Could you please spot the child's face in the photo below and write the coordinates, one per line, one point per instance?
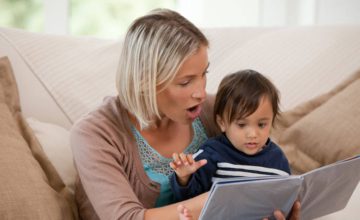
(250, 134)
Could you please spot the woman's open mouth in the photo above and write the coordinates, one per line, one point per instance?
(194, 111)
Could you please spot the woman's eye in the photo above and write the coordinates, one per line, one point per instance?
(184, 83)
(205, 73)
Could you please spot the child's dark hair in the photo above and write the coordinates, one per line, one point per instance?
(240, 93)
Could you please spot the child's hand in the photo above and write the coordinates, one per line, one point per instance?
(184, 165)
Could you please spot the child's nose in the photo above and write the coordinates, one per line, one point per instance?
(251, 133)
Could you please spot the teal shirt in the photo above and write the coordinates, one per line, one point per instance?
(157, 167)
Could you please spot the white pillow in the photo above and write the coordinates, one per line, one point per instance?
(55, 140)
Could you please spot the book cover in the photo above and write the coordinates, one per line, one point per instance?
(321, 191)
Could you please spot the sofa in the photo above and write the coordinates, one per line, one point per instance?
(47, 82)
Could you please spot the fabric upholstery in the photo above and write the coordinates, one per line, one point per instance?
(30, 186)
(55, 141)
(303, 62)
(323, 130)
(78, 72)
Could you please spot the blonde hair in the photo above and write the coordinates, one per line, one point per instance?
(154, 49)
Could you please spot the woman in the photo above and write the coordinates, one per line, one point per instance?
(122, 150)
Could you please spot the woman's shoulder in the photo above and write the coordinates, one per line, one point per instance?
(107, 119)
(102, 129)
(108, 111)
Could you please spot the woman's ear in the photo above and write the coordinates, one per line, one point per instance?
(220, 122)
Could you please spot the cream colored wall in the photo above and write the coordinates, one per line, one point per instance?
(214, 13)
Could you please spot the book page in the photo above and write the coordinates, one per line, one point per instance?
(329, 188)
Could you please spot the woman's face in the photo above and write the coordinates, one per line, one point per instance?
(181, 100)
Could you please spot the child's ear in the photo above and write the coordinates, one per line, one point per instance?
(220, 123)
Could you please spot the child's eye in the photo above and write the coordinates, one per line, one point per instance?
(241, 125)
(262, 125)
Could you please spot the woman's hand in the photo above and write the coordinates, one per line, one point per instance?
(294, 214)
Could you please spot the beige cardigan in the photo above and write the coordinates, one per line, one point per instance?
(109, 166)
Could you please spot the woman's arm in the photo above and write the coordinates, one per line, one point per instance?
(195, 205)
(170, 212)
(105, 182)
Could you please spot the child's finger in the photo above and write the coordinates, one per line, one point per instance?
(200, 163)
(190, 158)
(176, 159)
(173, 165)
(183, 157)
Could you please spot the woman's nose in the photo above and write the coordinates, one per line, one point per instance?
(200, 92)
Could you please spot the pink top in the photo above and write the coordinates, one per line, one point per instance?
(109, 166)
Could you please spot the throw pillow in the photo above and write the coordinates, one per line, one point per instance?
(55, 141)
(323, 130)
(30, 186)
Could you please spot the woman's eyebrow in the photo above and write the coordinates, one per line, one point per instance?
(192, 75)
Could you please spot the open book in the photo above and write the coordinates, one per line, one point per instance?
(321, 191)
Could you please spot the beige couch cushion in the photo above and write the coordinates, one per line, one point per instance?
(30, 187)
(323, 130)
(55, 141)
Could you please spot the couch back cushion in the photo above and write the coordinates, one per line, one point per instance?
(75, 72)
(303, 62)
(30, 187)
(322, 130)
